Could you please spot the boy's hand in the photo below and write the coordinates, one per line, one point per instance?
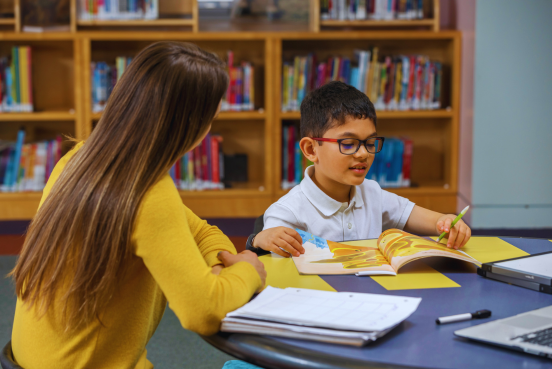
(278, 238)
(458, 235)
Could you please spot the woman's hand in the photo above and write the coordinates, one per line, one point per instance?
(217, 268)
(229, 259)
(283, 241)
(457, 235)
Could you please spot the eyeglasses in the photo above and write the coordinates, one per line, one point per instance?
(349, 146)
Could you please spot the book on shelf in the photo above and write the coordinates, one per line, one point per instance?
(27, 167)
(399, 82)
(118, 9)
(385, 256)
(104, 77)
(240, 95)
(345, 318)
(16, 83)
(202, 168)
(391, 166)
(294, 162)
(382, 10)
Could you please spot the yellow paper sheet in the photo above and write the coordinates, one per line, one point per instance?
(488, 249)
(415, 275)
(282, 273)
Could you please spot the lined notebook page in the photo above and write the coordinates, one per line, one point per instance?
(337, 310)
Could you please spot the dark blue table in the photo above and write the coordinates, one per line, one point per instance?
(418, 342)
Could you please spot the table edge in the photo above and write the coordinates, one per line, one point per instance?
(270, 353)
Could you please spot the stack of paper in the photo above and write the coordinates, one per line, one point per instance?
(336, 317)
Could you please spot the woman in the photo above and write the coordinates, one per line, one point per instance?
(112, 242)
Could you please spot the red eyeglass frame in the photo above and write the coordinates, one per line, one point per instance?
(363, 142)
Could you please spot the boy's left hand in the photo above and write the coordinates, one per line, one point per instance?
(458, 235)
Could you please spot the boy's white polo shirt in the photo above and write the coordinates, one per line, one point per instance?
(370, 211)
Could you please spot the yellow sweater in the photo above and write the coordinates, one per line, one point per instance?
(175, 251)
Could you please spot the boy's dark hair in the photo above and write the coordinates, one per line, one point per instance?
(331, 105)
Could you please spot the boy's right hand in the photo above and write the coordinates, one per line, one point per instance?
(278, 238)
(229, 259)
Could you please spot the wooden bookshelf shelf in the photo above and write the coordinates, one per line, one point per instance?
(38, 116)
(7, 21)
(411, 114)
(137, 22)
(378, 23)
(436, 198)
(241, 115)
(223, 115)
(20, 195)
(404, 191)
(19, 205)
(240, 190)
(431, 22)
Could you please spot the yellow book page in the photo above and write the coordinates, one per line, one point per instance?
(414, 276)
(489, 249)
(401, 247)
(282, 273)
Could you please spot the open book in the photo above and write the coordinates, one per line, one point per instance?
(384, 256)
(336, 317)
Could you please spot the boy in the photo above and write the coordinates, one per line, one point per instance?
(334, 201)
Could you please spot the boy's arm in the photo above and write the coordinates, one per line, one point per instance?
(428, 222)
(279, 234)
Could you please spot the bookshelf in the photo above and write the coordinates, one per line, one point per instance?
(434, 132)
(173, 15)
(432, 23)
(62, 93)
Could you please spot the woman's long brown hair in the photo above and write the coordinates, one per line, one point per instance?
(79, 242)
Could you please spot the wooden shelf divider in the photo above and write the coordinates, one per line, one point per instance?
(389, 114)
(7, 21)
(377, 23)
(38, 116)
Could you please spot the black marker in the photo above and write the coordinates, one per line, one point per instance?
(480, 314)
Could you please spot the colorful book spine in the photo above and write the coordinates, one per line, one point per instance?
(16, 81)
(294, 162)
(104, 78)
(200, 169)
(27, 167)
(240, 95)
(383, 10)
(117, 9)
(392, 165)
(392, 83)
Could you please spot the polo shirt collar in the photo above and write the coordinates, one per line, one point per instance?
(324, 203)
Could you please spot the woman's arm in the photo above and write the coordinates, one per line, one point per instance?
(166, 244)
(210, 239)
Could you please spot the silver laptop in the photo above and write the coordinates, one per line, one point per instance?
(530, 332)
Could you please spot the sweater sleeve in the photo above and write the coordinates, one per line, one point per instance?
(165, 241)
(210, 240)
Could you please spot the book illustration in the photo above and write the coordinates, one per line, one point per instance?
(384, 256)
(352, 257)
(327, 257)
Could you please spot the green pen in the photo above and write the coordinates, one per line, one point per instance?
(454, 222)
